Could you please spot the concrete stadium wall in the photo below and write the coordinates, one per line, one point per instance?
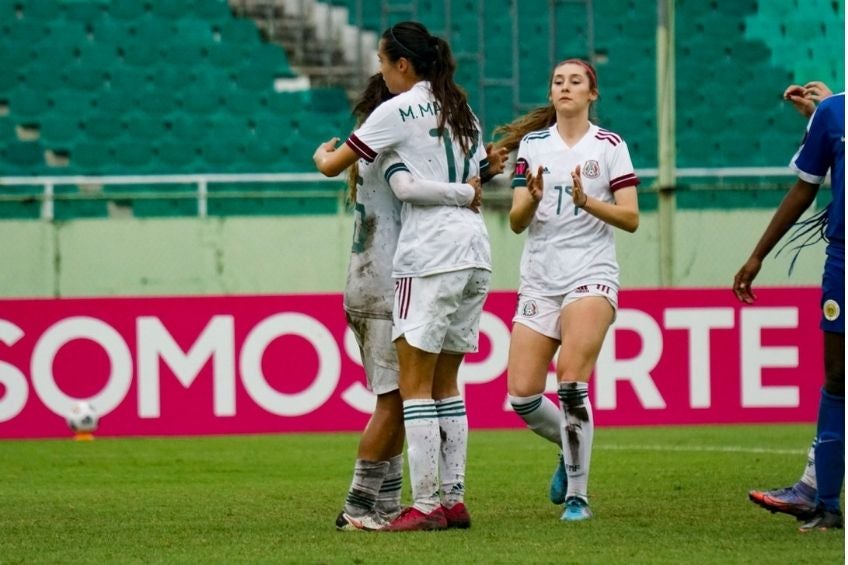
(282, 255)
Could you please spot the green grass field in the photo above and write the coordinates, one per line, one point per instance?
(660, 495)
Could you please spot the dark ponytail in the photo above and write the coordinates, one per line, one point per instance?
(432, 59)
(375, 93)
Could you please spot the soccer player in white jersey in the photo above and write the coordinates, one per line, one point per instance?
(573, 183)
(442, 264)
(374, 495)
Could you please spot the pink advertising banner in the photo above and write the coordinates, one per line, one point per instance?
(262, 364)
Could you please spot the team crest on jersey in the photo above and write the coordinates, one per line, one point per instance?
(529, 309)
(830, 309)
(591, 169)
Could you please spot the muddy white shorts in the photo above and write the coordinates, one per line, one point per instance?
(441, 312)
(379, 356)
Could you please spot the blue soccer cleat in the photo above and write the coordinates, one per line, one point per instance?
(576, 510)
(559, 483)
(789, 500)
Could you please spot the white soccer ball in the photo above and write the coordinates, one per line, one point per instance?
(82, 417)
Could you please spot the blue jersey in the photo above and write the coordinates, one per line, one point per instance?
(823, 148)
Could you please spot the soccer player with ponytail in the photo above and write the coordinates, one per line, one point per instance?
(442, 264)
(573, 183)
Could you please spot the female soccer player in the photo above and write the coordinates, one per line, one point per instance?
(441, 266)
(573, 183)
(374, 494)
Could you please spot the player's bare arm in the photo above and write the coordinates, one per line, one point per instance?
(623, 213)
(799, 198)
(331, 160)
(525, 200)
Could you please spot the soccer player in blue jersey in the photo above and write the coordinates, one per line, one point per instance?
(823, 149)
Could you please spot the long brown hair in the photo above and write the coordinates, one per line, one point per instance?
(432, 60)
(542, 117)
(375, 93)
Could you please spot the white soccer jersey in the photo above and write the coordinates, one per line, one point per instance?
(567, 247)
(370, 290)
(433, 239)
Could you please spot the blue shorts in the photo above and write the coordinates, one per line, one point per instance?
(833, 295)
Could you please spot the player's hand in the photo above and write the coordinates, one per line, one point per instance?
(497, 157)
(804, 98)
(817, 90)
(578, 196)
(323, 149)
(477, 201)
(535, 185)
(743, 279)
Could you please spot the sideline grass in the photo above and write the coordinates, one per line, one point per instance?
(660, 495)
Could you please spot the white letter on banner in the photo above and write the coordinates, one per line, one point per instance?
(17, 391)
(494, 365)
(699, 322)
(356, 395)
(101, 333)
(637, 370)
(755, 357)
(155, 342)
(329, 364)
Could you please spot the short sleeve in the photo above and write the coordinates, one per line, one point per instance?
(621, 168)
(378, 132)
(813, 158)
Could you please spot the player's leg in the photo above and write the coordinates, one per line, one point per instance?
(584, 325)
(461, 337)
(830, 447)
(532, 344)
(453, 431)
(421, 424)
(382, 438)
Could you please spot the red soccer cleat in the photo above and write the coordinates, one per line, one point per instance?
(457, 516)
(412, 519)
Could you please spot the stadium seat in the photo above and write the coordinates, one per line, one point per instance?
(127, 9)
(102, 127)
(27, 104)
(86, 11)
(24, 158)
(177, 155)
(59, 132)
(89, 158)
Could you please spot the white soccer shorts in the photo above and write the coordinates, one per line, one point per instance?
(379, 356)
(542, 313)
(441, 312)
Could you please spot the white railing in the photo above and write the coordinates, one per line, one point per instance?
(201, 183)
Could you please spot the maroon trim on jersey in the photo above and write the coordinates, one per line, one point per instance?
(403, 289)
(605, 135)
(360, 148)
(630, 179)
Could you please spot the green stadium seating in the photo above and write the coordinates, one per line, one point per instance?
(59, 132)
(23, 158)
